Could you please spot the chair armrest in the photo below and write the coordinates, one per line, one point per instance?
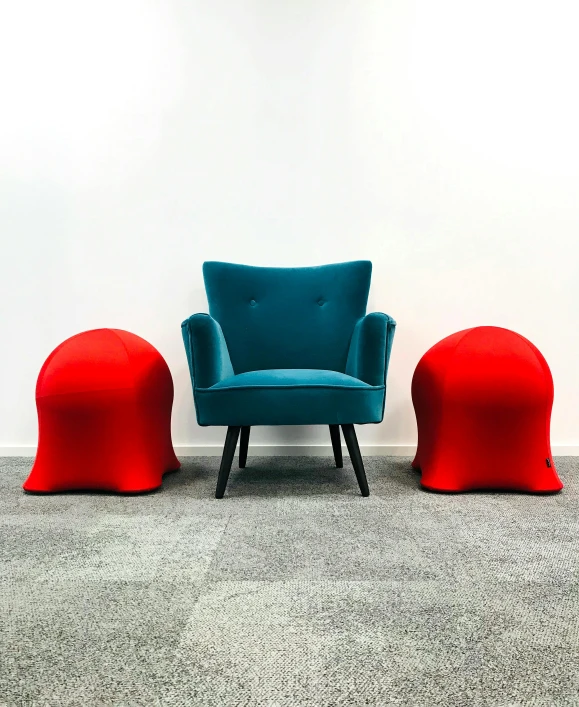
(207, 353)
(370, 348)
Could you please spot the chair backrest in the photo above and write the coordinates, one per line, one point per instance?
(287, 317)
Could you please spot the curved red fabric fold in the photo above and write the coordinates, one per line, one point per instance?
(483, 400)
(104, 400)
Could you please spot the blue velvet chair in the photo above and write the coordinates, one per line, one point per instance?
(288, 346)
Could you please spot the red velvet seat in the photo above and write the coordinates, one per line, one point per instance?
(483, 400)
(104, 400)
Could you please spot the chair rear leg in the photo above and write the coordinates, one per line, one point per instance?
(243, 445)
(356, 457)
(226, 460)
(337, 445)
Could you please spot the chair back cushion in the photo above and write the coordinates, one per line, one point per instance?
(287, 317)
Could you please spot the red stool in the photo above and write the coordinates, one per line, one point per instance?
(104, 401)
(483, 400)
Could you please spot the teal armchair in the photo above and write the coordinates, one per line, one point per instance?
(288, 346)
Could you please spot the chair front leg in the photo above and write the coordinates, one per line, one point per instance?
(226, 460)
(356, 457)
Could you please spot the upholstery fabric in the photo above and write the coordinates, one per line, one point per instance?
(290, 397)
(291, 377)
(370, 348)
(202, 334)
(483, 400)
(104, 401)
(288, 346)
(287, 317)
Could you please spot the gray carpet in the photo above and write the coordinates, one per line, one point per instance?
(293, 590)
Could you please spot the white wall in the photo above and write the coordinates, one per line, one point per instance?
(141, 137)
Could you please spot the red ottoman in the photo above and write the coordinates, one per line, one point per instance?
(483, 400)
(104, 401)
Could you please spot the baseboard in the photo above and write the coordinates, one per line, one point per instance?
(300, 450)
(291, 450)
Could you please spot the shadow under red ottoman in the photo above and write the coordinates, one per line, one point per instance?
(104, 400)
(483, 400)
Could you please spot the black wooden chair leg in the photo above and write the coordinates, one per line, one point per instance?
(226, 460)
(243, 445)
(337, 445)
(356, 457)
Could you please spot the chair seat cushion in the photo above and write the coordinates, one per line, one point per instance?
(291, 377)
(296, 396)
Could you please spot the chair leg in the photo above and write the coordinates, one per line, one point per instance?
(356, 457)
(226, 460)
(243, 445)
(337, 445)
